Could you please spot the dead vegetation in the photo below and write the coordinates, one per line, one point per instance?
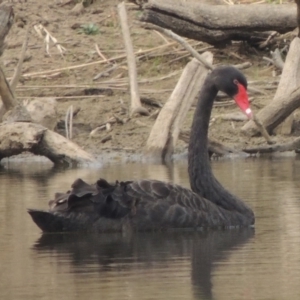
(82, 64)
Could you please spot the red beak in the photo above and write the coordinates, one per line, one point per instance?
(241, 99)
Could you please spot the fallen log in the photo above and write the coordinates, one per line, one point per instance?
(19, 137)
(17, 134)
(219, 24)
(237, 117)
(181, 41)
(208, 65)
(287, 97)
(290, 146)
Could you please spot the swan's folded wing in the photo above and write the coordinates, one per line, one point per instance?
(155, 191)
(163, 205)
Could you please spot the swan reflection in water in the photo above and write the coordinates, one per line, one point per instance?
(145, 251)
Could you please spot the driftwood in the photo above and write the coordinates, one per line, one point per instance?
(6, 93)
(262, 130)
(290, 146)
(136, 106)
(19, 137)
(11, 110)
(181, 41)
(298, 16)
(18, 134)
(18, 70)
(14, 110)
(161, 143)
(237, 117)
(209, 66)
(6, 21)
(219, 24)
(165, 131)
(287, 97)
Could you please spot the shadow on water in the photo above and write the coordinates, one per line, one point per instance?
(202, 250)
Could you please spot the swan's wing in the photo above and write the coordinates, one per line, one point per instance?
(156, 192)
(161, 204)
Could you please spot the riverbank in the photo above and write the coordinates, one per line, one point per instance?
(70, 77)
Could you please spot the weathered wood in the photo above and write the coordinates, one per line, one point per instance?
(236, 116)
(19, 137)
(287, 97)
(298, 15)
(290, 146)
(181, 41)
(189, 98)
(140, 3)
(18, 70)
(262, 129)
(6, 21)
(6, 93)
(136, 106)
(12, 110)
(165, 131)
(219, 24)
(41, 112)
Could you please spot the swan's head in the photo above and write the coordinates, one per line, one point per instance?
(232, 82)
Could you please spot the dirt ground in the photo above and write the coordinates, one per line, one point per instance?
(96, 101)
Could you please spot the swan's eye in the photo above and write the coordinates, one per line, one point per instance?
(235, 82)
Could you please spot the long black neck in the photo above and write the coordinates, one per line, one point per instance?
(202, 180)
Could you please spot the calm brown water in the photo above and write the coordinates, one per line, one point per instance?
(236, 264)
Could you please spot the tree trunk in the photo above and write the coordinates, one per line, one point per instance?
(298, 15)
(165, 131)
(219, 24)
(6, 21)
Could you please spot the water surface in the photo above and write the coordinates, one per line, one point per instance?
(235, 264)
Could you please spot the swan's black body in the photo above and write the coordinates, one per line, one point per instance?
(156, 205)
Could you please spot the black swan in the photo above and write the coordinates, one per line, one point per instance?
(156, 205)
